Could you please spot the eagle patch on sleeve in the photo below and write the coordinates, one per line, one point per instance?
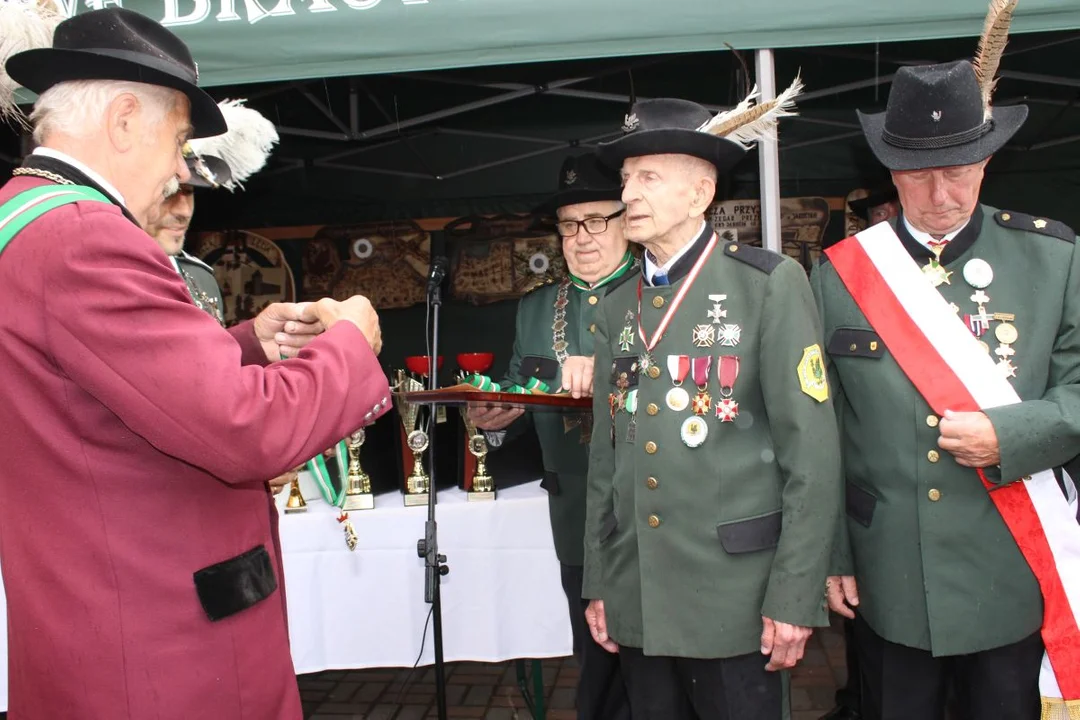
(812, 377)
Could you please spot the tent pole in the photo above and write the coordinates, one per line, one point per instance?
(768, 159)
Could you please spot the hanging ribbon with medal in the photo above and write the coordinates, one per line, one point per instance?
(702, 402)
(649, 344)
(677, 398)
(335, 497)
(727, 371)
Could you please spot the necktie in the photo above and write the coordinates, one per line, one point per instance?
(659, 278)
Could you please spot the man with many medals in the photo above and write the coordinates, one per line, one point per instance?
(553, 349)
(944, 592)
(713, 474)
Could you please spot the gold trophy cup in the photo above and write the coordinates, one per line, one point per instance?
(296, 502)
(358, 488)
(483, 485)
(417, 484)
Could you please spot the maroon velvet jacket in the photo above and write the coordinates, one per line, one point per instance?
(136, 438)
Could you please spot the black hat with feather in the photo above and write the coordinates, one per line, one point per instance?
(941, 115)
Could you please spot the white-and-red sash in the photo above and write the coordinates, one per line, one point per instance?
(949, 368)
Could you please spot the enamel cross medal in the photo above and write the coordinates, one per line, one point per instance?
(727, 409)
(701, 403)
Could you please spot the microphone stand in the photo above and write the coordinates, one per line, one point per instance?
(428, 546)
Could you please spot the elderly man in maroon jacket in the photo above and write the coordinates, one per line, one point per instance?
(139, 561)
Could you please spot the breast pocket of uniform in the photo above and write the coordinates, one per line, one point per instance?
(541, 368)
(856, 343)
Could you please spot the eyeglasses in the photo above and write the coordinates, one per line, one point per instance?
(592, 225)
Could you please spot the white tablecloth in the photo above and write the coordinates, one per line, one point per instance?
(502, 599)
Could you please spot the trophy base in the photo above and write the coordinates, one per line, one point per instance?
(297, 509)
(362, 501)
(478, 496)
(415, 499)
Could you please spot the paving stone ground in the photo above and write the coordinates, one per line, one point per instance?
(490, 691)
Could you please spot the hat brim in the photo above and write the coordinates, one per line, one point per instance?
(39, 69)
(576, 196)
(220, 168)
(873, 200)
(724, 154)
(1007, 120)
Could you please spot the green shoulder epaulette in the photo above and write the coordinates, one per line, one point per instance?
(764, 260)
(1031, 223)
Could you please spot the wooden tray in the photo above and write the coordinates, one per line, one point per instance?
(469, 395)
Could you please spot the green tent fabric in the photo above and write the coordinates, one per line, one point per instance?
(244, 41)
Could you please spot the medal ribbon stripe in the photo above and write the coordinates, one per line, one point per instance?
(317, 467)
(949, 369)
(674, 305)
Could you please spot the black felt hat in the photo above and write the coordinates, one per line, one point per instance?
(670, 126)
(582, 179)
(878, 195)
(936, 118)
(208, 171)
(118, 44)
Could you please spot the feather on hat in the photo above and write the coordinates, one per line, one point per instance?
(244, 149)
(24, 25)
(671, 126)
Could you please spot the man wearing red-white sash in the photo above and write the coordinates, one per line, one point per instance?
(953, 338)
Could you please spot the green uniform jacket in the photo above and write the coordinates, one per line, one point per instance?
(936, 566)
(202, 284)
(565, 451)
(689, 547)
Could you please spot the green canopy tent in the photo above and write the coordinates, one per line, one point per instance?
(248, 41)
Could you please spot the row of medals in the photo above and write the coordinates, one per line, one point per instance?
(978, 274)
(705, 335)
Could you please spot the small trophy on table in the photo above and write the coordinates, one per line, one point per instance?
(417, 484)
(482, 485)
(358, 483)
(296, 502)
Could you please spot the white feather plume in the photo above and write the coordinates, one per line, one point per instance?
(246, 145)
(719, 118)
(24, 25)
(747, 124)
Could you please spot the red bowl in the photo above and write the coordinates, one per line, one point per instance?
(419, 364)
(475, 362)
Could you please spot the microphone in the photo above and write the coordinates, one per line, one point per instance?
(437, 274)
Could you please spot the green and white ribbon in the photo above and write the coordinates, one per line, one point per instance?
(317, 467)
(534, 384)
(483, 382)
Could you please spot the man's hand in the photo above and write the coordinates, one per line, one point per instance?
(971, 439)
(493, 418)
(577, 376)
(278, 484)
(594, 615)
(284, 328)
(783, 643)
(842, 594)
(357, 310)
